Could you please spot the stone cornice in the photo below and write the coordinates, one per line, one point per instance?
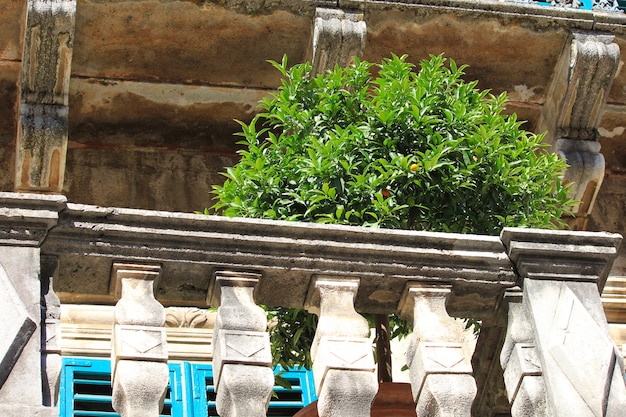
(26, 218)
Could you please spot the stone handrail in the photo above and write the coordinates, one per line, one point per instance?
(191, 248)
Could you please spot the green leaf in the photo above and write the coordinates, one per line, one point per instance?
(338, 148)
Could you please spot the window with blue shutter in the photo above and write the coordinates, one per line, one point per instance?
(86, 390)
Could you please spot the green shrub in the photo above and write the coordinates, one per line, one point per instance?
(403, 149)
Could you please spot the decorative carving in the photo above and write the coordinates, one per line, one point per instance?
(593, 62)
(343, 363)
(242, 357)
(139, 349)
(188, 317)
(438, 355)
(42, 146)
(607, 5)
(115, 280)
(338, 37)
(576, 98)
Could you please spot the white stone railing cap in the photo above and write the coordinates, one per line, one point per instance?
(191, 248)
(562, 255)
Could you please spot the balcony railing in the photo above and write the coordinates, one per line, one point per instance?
(537, 293)
(599, 5)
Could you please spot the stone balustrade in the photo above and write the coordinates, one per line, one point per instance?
(538, 288)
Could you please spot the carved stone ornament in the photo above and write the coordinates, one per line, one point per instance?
(51, 332)
(189, 317)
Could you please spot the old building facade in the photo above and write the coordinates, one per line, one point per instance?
(116, 117)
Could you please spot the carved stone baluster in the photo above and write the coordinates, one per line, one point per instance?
(520, 362)
(438, 355)
(242, 357)
(560, 272)
(139, 347)
(343, 362)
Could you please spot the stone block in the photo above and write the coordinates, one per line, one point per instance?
(347, 393)
(139, 388)
(216, 39)
(438, 358)
(342, 353)
(523, 362)
(11, 410)
(20, 343)
(530, 398)
(245, 347)
(17, 327)
(446, 395)
(140, 343)
(245, 390)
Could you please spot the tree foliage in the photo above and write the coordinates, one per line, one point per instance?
(400, 147)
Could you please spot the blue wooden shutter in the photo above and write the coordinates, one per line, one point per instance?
(86, 390)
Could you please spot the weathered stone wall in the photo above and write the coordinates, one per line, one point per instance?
(155, 86)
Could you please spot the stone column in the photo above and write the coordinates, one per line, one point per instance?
(43, 113)
(338, 37)
(242, 357)
(139, 348)
(343, 361)
(520, 362)
(561, 273)
(438, 355)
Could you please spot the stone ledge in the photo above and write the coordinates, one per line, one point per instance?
(18, 410)
(26, 218)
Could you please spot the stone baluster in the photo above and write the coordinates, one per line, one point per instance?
(139, 347)
(242, 358)
(560, 273)
(343, 362)
(520, 362)
(438, 355)
(50, 332)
